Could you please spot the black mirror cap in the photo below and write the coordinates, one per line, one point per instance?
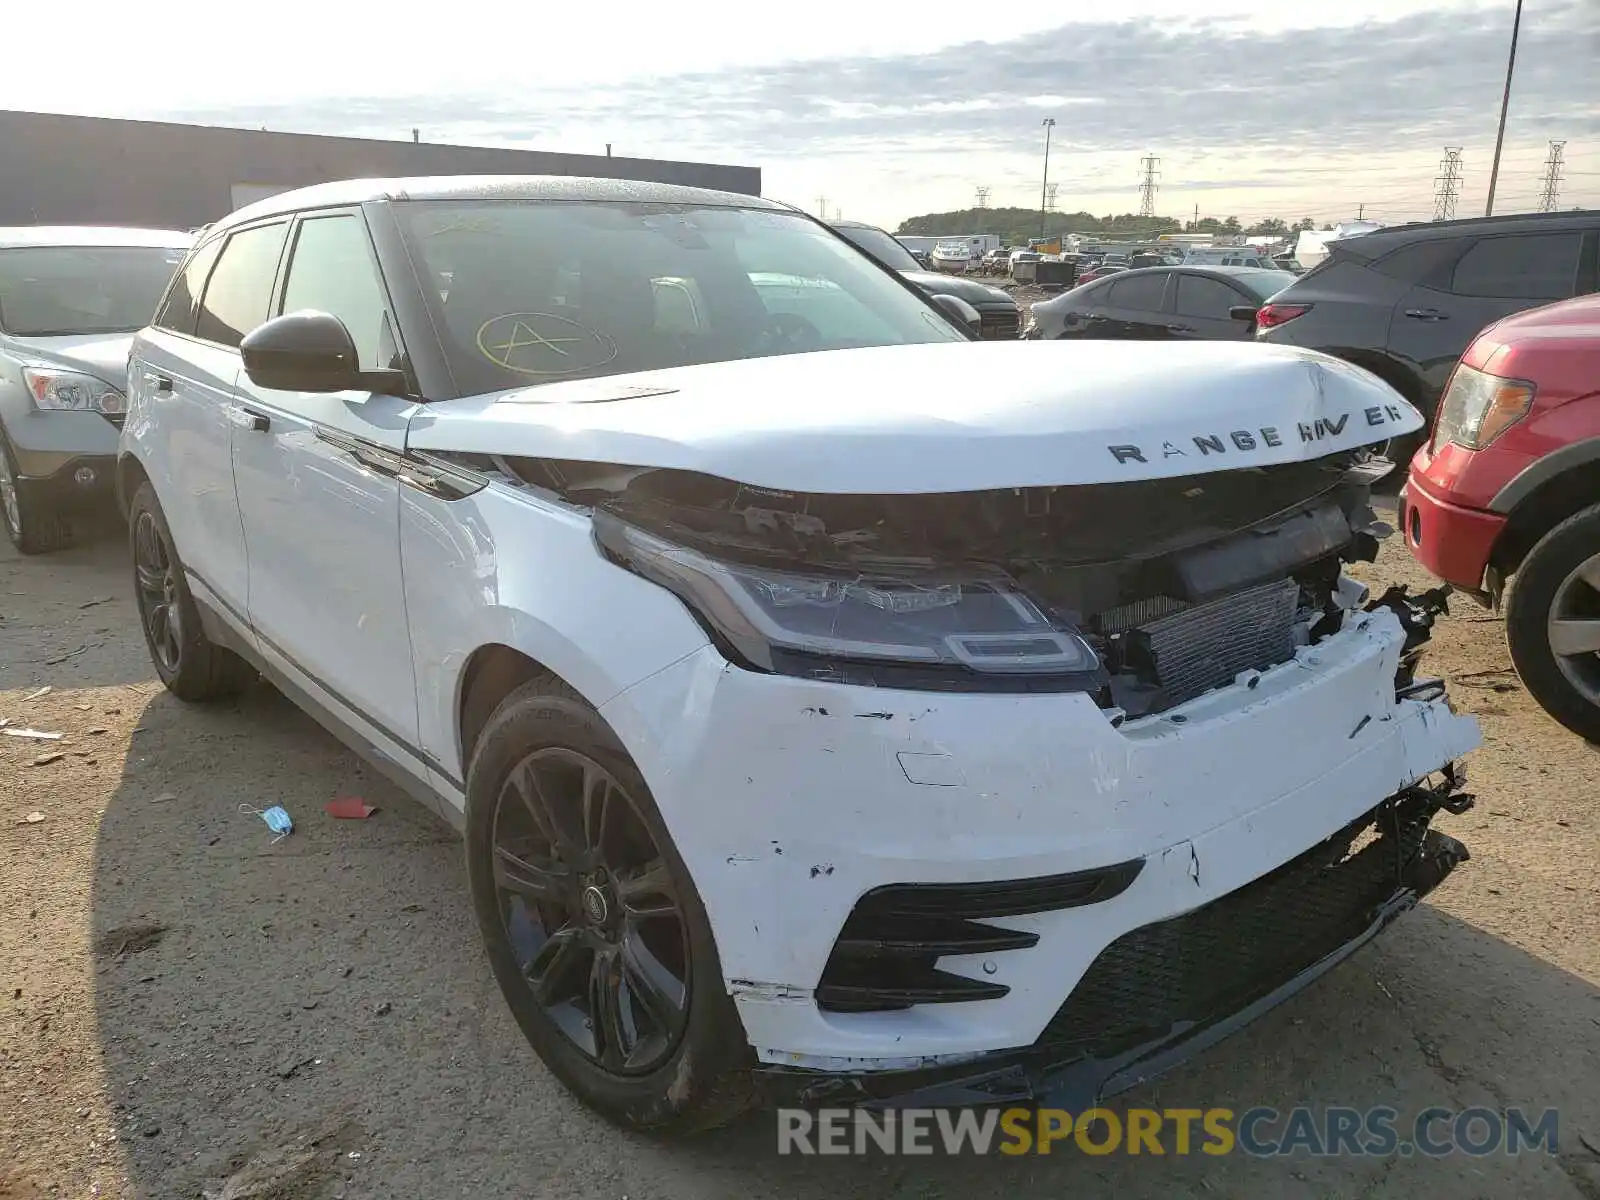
(304, 351)
(962, 313)
(1242, 312)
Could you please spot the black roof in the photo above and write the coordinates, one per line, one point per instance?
(491, 187)
(1379, 241)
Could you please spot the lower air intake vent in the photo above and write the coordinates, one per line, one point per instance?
(1207, 645)
(887, 954)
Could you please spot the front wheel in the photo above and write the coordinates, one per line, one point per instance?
(190, 665)
(592, 924)
(30, 527)
(1553, 623)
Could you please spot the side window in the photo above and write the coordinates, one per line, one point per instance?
(183, 297)
(1142, 292)
(1206, 298)
(1529, 266)
(332, 270)
(240, 290)
(1419, 262)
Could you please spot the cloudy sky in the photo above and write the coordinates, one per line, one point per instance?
(1252, 113)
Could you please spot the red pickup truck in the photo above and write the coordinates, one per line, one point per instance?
(1509, 486)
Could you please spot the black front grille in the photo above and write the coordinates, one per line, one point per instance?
(1223, 956)
(1000, 323)
(886, 955)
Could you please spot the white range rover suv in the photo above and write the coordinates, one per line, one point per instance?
(829, 715)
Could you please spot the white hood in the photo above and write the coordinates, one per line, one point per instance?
(946, 417)
(103, 355)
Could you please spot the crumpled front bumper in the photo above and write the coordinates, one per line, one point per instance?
(790, 800)
(1075, 1067)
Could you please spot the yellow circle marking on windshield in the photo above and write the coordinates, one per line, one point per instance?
(543, 344)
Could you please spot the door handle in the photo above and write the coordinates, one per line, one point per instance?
(1427, 314)
(161, 383)
(1180, 328)
(249, 418)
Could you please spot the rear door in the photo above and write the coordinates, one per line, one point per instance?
(181, 374)
(1492, 277)
(1137, 307)
(1200, 309)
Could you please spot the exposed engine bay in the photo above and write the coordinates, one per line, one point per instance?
(1179, 585)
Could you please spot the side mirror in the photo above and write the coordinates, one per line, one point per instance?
(310, 351)
(1242, 312)
(959, 311)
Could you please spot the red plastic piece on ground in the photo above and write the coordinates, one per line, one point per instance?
(349, 808)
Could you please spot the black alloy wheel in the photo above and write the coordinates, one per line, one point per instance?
(190, 665)
(156, 576)
(591, 912)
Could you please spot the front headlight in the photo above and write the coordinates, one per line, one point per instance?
(54, 388)
(1477, 408)
(795, 622)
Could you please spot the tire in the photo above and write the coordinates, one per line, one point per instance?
(1548, 585)
(699, 1075)
(190, 665)
(31, 529)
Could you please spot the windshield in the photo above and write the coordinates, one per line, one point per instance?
(48, 291)
(530, 292)
(881, 246)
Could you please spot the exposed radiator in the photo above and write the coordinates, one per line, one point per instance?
(1206, 645)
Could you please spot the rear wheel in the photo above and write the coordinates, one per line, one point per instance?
(190, 665)
(32, 530)
(1553, 623)
(591, 921)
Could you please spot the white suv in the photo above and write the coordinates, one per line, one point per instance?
(828, 714)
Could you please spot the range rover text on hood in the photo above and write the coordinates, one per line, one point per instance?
(944, 417)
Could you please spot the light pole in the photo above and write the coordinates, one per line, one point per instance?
(1505, 103)
(1044, 186)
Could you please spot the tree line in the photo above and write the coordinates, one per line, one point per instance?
(1016, 225)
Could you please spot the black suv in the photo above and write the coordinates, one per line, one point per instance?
(1001, 317)
(1406, 302)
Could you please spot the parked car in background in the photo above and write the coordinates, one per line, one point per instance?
(763, 669)
(996, 262)
(998, 314)
(1099, 271)
(1287, 262)
(70, 300)
(1160, 303)
(954, 258)
(1404, 302)
(1508, 489)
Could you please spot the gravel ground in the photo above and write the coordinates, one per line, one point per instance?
(185, 1001)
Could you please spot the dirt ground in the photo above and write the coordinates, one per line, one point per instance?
(184, 1000)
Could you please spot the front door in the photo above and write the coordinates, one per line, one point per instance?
(319, 495)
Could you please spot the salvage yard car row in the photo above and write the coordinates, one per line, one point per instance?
(811, 695)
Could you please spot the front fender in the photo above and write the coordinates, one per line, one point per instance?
(507, 567)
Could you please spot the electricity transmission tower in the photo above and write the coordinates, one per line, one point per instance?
(1552, 178)
(1050, 196)
(1447, 185)
(983, 196)
(1147, 186)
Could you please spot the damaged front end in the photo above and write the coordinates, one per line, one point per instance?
(1161, 993)
(1145, 594)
